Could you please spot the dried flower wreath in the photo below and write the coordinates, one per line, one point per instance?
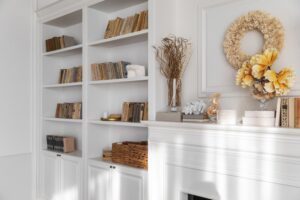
(269, 26)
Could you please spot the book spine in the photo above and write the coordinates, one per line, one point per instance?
(284, 113)
(297, 113)
(50, 142)
(291, 112)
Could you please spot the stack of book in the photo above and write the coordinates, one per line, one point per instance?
(195, 118)
(288, 112)
(70, 75)
(121, 26)
(60, 143)
(108, 71)
(56, 43)
(259, 118)
(69, 110)
(134, 111)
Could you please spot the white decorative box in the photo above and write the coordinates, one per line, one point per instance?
(227, 117)
(252, 121)
(260, 114)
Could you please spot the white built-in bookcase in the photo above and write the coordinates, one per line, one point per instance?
(87, 25)
(52, 92)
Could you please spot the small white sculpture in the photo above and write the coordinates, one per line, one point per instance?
(195, 108)
(135, 71)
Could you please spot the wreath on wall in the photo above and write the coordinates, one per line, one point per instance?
(256, 71)
(269, 26)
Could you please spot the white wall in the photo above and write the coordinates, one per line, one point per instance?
(187, 22)
(15, 101)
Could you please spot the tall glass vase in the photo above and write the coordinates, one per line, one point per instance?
(174, 94)
(263, 104)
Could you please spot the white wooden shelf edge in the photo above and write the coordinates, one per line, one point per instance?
(63, 85)
(220, 127)
(121, 37)
(63, 120)
(99, 160)
(145, 78)
(112, 123)
(76, 154)
(63, 50)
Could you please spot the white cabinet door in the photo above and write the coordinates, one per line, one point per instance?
(127, 185)
(50, 177)
(99, 182)
(70, 179)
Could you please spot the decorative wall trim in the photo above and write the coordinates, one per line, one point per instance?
(203, 88)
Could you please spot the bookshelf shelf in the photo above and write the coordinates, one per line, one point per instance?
(76, 154)
(115, 5)
(63, 120)
(65, 51)
(123, 39)
(78, 84)
(125, 124)
(99, 160)
(115, 81)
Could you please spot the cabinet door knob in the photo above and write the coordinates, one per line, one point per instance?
(110, 167)
(114, 167)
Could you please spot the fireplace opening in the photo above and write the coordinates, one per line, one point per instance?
(193, 197)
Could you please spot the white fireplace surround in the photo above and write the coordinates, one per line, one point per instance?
(223, 162)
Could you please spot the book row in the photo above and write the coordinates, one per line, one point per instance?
(134, 111)
(70, 75)
(288, 112)
(108, 71)
(69, 110)
(61, 42)
(60, 143)
(121, 26)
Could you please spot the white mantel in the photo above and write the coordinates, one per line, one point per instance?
(223, 162)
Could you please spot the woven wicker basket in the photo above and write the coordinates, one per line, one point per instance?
(138, 155)
(120, 153)
(134, 154)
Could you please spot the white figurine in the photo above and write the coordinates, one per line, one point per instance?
(195, 108)
(135, 71)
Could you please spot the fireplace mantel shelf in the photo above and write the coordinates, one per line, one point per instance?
(288, 132)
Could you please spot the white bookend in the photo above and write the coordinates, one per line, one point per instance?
(251, 121)
(277, 119)
(260, 114)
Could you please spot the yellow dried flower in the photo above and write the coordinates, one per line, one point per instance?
(269, 87)
(261, 62)
(280, 83)
(286, 76)
(244, 75)
(270, 75)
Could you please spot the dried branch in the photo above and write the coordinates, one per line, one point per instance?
(173, 56)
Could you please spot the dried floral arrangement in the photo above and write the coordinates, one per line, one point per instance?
(269, 26)
(265, 83)
(173, 56)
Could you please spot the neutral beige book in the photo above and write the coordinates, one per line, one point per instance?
(291, 112)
